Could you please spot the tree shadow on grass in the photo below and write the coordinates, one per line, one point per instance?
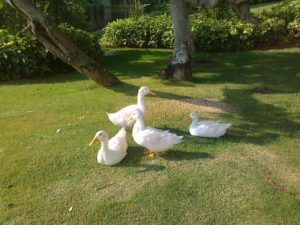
(261, 122)
(276, 70)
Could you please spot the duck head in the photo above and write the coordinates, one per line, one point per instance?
(194, 116)
(99, 136)
(145, 91)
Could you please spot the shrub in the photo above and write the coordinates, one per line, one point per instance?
(22, 57)
(143, 32)
(87, 41)
(209, 32)
(230, 35)
(294, 27)
(25, 57)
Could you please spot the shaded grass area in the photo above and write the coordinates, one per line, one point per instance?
(249, 176)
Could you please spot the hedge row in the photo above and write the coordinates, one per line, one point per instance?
(24, 57)
(209, 34)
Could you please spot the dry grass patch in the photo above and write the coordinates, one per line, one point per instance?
(285, 177)
(201, 106)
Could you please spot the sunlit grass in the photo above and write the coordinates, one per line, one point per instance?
(249, 176)
(257, 8)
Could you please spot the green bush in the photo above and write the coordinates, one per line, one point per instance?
(25, 57)
(228, 35)
(22, 57)
(87, 41)
(142, 32)
(209, 32)
(294, 27)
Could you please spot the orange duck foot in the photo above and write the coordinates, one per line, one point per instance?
(149, 153)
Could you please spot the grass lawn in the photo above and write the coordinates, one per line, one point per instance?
(257, 8)
(249, 176)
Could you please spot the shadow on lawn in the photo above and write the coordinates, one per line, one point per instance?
(275, 70)
(174, 155)
(261, 123)
(133, 159)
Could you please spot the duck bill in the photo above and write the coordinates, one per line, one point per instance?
(129, 119)
(94, 141)
(152, 92)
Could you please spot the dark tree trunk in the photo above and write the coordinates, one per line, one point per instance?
(59, 45)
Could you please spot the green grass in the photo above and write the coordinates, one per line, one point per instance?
(257, 8)
(249, 176)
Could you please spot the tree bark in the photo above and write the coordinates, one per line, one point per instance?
(180, 67)
(60, 45)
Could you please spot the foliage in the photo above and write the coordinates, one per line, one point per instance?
(294, 26)
(213, 30)
(26, 57)
(143, 32)
(9, 19)
(230, 35)
(137, 9)
(85, 40)
(22, 57)
(72, 12)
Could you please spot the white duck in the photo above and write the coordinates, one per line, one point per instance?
(154, 140)
(112, 151)
(120, 118)
(211, 129)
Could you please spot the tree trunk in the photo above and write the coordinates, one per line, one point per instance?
(180, 67)
(59, 45)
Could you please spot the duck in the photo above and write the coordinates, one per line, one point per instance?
(112, 150)
(154, 140)
(208, 128)
(120, 118)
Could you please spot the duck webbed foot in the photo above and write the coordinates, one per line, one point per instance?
(149, 153)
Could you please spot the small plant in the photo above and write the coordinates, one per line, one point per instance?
(25, 57)
(137, 9)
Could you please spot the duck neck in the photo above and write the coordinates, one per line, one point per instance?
(194, 121)
(139, 125)
(141, 102)
(104, 145)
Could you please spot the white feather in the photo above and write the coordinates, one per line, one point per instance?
(211, 129)
(153, 139)
(114, 150)
(121, 117)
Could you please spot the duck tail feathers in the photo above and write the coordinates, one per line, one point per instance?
(228, 125)
(179, 139)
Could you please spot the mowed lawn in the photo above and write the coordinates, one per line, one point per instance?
(49, 175)
(257, 8)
